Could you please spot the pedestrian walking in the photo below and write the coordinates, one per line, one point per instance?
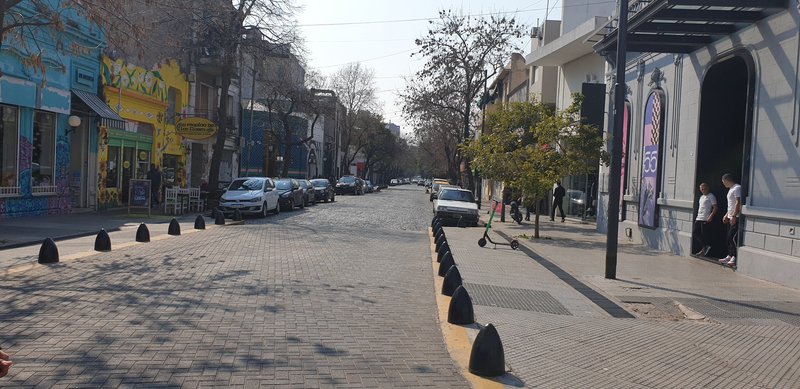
(731, 217)
(154, 175)
(706, 210)
(558, 199)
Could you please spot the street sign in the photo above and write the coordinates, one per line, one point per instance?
(196, 128)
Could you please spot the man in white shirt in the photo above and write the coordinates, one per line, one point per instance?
(706, 210)
(731, 217)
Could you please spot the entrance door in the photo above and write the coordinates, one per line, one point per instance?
(726, 117)
(128, 170)
(78, 165)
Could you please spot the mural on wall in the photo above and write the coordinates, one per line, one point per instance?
(623, 182)
(133, 78)
(651, 155)
(106, 197)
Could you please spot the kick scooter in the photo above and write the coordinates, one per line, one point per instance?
(482, 241)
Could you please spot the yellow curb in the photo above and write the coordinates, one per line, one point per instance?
(83, 254)
(455, 337)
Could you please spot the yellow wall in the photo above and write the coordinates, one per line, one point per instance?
(140, 95)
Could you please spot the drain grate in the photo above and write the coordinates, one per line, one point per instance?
(515, 298)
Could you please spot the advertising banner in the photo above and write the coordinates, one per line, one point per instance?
(651, 156)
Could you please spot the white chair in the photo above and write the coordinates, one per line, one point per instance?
(171, 201)
(195, 202)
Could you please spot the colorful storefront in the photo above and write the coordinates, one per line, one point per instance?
(37, 124)
(151, 102)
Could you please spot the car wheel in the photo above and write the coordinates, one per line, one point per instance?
(264, 210)
(303, 203)
(291, 206)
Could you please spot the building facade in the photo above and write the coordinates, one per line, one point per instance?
(718, 95)
(40, 130)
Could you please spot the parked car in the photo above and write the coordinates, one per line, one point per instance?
(290, 194)
(437, 183)
(309, 197)
(456, 206)
(394, 182)
(368, 187)
(350, 184)
(323, 190)
(250, 195)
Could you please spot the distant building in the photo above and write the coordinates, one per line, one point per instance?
(394, 129)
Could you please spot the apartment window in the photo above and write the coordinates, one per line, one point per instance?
(9, 144)
(43, 152)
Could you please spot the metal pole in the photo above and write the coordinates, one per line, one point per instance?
(616, 143)
(252, 100)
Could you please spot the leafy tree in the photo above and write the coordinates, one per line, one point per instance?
(355, 86)
(530, 147)
(462, 53)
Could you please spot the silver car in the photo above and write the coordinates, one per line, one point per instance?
(250, 195)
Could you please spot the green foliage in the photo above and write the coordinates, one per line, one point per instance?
(530, 147)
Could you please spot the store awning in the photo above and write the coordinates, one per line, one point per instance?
(107, 116)
(683, 26)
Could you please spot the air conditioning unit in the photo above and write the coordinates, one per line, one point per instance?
(535, 31)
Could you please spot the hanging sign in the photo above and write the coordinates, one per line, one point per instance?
(196, 128)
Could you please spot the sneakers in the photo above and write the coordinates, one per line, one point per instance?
(732, 262)
(725, 260)
(705, 250)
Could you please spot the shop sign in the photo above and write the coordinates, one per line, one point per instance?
(196, 128)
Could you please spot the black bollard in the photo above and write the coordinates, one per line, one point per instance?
(433, 221)
(444, 266)
(142, 234)
(102, 242)
(437, 227)
(452, 280)
(220, 218)
(441, 254)
(439, 233)
(460, 310)
(438, 237)
(237, 216)
(174, 227)
(487, 358)
(199, 223)
(48, 253)
(442, 246)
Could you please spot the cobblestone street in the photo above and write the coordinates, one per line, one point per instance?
(334, 295)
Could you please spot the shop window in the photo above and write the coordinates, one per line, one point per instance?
(112, 167)
(9, 144)
(43, 152)
(170, 169)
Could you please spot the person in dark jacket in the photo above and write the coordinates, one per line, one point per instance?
(558, 199)
(154, 175)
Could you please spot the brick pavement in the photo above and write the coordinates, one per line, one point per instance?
(337, 295)
(750, 336)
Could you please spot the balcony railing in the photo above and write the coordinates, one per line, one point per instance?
(44, 190)
(9, 191)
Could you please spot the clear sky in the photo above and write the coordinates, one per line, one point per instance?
(386, 47)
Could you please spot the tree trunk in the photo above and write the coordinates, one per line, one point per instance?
(536, 220)
(222, 113)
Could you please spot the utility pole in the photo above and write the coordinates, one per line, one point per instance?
(252, 100)
(616, 143)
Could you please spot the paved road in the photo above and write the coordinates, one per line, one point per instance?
(336, 295)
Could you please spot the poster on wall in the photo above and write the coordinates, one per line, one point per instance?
(623, 182)
(651, 155)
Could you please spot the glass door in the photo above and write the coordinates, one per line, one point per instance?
(128, 169)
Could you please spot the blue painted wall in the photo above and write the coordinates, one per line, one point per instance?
(30, 90)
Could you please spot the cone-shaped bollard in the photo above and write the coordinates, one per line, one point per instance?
(48, 253)
(433, 221)
(452, 280)
(142, 234)
(444, 266)
(237, 216)
(442, 252)
(460, 310)
(102, 242)
(174, 227)
(437, 227)
(442, 246)
(199, 223)
(220, 218)
(487, 358)
(438, 238)
(439, 233)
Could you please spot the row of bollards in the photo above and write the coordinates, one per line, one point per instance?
(487, 357)
(48, 252)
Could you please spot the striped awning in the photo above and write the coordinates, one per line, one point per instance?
(107, 116)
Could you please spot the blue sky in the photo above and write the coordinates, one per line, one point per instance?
(386, 47)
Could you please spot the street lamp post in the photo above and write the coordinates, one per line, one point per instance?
(616, 144)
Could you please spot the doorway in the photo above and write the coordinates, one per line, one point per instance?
(79, 165)
(725, 133)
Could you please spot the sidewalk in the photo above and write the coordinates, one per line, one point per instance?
(75, 234)
(690, 323)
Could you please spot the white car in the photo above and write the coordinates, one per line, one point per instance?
(250, 195)
(456, 205)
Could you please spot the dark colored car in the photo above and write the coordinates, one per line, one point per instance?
(309, 197)
(350, 184)
(290, 194)
(323, 190)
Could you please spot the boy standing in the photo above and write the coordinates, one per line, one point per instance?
(706, 210)
(731, 217)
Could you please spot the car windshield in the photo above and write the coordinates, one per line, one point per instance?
(303, 184)
(247, 184)
(347, 180)
(456, 195)
(320, 183)
(284, 185)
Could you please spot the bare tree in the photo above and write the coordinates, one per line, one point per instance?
(462, 53)
(355, 86)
